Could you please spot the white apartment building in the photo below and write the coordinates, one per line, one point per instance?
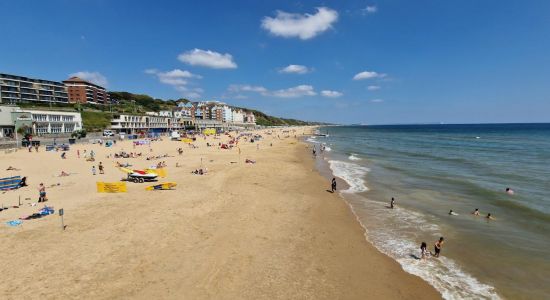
(238, 116)
(151, 122)
(54, 122)
(38, 122)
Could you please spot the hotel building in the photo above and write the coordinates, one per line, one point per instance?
(38, 122)
(82, 91)
(151, 122)
(15, 89)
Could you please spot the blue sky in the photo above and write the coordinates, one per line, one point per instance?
(413, 61)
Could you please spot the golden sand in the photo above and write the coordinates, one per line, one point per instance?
(243, 231)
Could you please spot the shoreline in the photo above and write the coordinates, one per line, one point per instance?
(379, 225)
(268, 230)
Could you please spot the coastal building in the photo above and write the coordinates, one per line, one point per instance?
(16, 89)
(250, 118)
(238, 116)
(82, 91)
(38, 122)
(54, 122)
(151, 122)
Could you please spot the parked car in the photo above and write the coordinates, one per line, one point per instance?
(108, 133)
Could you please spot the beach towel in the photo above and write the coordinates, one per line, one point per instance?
(14, 223)
(10, 183)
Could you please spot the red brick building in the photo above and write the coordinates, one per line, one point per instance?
(82, 91)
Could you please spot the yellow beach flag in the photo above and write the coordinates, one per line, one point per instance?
(111, 187)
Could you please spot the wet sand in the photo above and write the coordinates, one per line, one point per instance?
(244, 231)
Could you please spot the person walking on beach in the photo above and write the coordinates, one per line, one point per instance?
(100, 167)
(392, 203)
(78, 153)
(437, 246)
(93, 170)
(333, 185)
(41, 193)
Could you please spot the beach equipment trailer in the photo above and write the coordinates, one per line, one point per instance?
(139, 176)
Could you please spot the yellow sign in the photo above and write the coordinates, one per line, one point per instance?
(209, 131)
(111, 187)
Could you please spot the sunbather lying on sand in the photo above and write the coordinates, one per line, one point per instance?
(250, 161)
(10, 168)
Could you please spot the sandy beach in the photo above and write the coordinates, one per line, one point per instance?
(268, 230)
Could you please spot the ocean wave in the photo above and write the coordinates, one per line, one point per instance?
(442, 273)
(351, 173)
(354, 156)
(311, 139)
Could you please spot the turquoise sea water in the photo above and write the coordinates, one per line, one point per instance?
(431, 169)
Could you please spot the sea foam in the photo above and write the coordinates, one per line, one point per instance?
(354, 156)
(351, 173)
(442, 273)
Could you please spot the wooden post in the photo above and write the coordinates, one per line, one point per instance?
(61, 213)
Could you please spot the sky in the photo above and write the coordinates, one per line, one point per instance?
(348, 62)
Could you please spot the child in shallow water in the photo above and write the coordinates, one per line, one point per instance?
(423, 250)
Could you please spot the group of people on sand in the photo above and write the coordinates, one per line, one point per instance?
(123, 154)
(200, 171)
(161, 164)
(157, 157)
(100, 167)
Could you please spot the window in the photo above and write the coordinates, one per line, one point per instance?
(55, 118)
(42, 129)
(55, 128)
(67, 118)
(69, 127)
(39, 117)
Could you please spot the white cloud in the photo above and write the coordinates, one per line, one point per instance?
(377, 101)
(207, 58)
(303, 26)
(247, 88)
(370, 9)
(368, 75)
(294, 92)
(93, 77)
(331, 94)
(179, 79)
(373, 87)
(297, 69)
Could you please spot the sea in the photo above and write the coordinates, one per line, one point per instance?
(432, 169)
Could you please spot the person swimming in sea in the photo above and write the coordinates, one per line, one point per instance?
(509, 191)
(476, 212)
(489, 217)
(452, 213)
